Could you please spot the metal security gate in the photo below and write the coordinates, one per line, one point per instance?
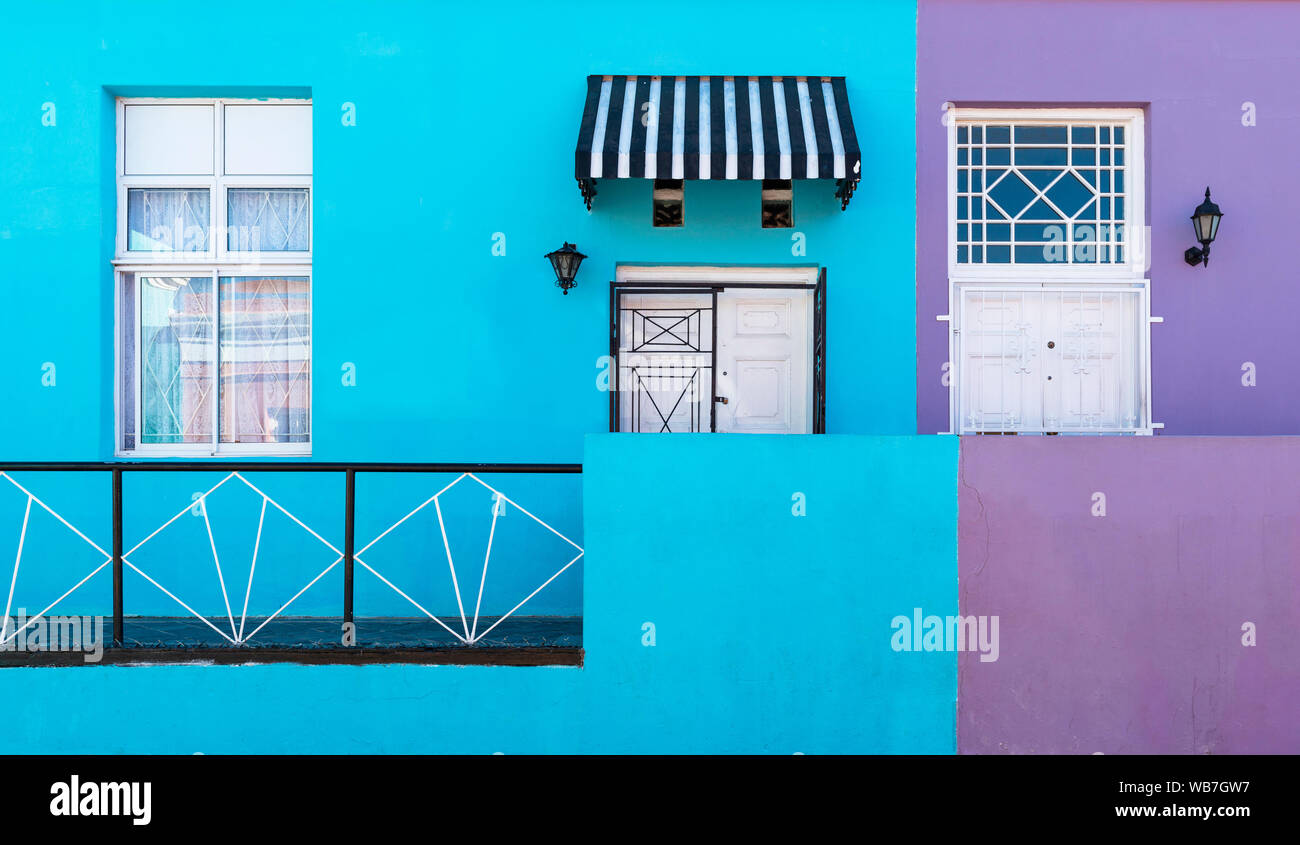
(1045, 360)
(674, 373)
(663, 343)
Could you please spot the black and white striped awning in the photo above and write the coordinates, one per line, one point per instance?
(718, 127)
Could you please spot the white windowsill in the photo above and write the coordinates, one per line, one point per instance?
(209, 455)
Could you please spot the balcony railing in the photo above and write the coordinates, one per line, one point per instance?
(454, 568)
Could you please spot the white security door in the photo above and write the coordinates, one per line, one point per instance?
(1092, 374)
(1001, 380)
(1041, 360)
(764, 370)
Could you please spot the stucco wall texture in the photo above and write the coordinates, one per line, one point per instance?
(1121, 620)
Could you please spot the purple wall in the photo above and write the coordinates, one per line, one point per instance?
(1123, 633)
(1192, 65)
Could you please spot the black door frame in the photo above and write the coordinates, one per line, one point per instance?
(617, 291)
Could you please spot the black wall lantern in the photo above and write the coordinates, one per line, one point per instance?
(565, 260)
(1205, 219)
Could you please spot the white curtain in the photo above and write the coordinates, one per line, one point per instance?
(167, 220)
(267, 220)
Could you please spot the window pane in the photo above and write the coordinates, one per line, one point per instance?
(268, 139)
(1055, 180)
(167, 139)
(265, 380)
(176, 355)
(267, 220)
(167, 220)
(127, 324)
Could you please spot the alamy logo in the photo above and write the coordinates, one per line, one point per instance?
(53, 633)
(93, 798)
(951, 633)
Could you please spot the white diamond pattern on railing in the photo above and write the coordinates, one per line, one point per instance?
(5, 634)
(236, 635)
(469, 629)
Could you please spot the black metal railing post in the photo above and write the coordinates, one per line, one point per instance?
(118, 637)
(349, 538)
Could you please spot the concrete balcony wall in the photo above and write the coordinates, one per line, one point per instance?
(1123, 633)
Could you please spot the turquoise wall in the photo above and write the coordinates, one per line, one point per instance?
(466, 123)
(772, 631)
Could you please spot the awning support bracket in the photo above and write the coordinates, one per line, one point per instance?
(844, 189)
(588, 188)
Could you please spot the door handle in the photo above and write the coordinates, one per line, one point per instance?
(720, 399)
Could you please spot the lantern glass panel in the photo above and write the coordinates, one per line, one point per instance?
(1207, 226)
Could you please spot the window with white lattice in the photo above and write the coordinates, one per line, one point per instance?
(213, 270)
(1049, 314)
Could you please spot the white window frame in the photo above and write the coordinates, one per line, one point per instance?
(214, 447)
(1127, 275)
(216, 262)
(1134, 265)
(217, 184)
(708, 275)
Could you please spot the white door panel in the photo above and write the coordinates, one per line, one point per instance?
(1002, 385)
(1094, 336)
(762, 395)
(764, 365)
(1038, 359)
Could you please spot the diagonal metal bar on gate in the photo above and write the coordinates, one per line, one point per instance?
(539, 520)
(409, 515)
(178, 515)
(530, 595)
(451, 565)
(418, 606)
(53, 513)
(38, 617)
(257, 545)
(282, 510)
(173, 597)
(336, 562)
(496, 511)
(216, 559)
